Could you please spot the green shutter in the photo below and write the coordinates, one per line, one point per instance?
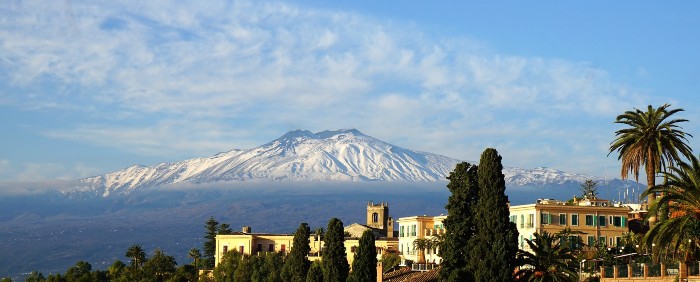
(624, 221)
(595, 221)
(550, 218)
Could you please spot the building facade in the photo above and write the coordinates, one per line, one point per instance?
(378, 220)
(598, 221)
(415, 227)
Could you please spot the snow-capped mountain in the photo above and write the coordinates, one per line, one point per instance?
(542, 176)
(342, 155)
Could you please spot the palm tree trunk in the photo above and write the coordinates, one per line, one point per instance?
(651, 182)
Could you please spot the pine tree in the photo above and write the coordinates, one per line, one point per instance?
(296, 263)
(364, 267)
(209, 248)
(335, 261)
(495, 240)
(460, 223)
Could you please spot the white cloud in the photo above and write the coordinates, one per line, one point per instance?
(245, 67)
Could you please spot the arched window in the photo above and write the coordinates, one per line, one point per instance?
(375, 217)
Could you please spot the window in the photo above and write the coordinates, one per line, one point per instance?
(546, 218)
(589, 220)
(375, 217)
(401, 234)
(513, 219)
(618, 241)
(601, 220)
(225, 249)
(522, 221)
(591, 240)
(259, 248)
(413, 231)
(241, 249)
(353, 249)
(562, 219)
(283, 248)
(271, 247)
(522, 241)
(601, 239)
(574, 219)
(618, 221)
(530, 220)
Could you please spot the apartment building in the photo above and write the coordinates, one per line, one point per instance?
(598, 220)
(414, 227)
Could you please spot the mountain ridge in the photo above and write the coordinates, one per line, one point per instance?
(301, 155)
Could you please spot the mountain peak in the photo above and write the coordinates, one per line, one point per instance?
(330, 133)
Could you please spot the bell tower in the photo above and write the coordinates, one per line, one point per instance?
(378, 218)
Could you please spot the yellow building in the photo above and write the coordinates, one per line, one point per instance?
(598, 220)
(414, 227)
(378, 220)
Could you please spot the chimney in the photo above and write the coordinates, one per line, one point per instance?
(246, 229)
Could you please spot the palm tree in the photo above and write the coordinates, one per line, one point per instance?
(681, 194)
(137, 255)
(195, 254)
(420, 245)
(548, 261)
(652, 141)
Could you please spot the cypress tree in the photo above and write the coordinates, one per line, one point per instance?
(495, 241)
(460, 223)
(335, 261)
(296, 264)
(364, 267)
(209, 247)
(315, 273)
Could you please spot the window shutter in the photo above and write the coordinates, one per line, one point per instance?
(624, 221)
(595, 221)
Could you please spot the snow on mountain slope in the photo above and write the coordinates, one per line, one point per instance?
(342, 155)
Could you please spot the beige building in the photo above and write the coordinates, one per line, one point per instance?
(598, 220)
(378, 220)
(414, 227)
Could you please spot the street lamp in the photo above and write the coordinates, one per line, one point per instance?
(580, 270)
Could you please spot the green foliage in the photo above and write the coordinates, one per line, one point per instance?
(650, 140)
(160, 266)
(296, 264)
(116, 270)
(679, 235)
(268, 267)
(227, 266)
(390, 260)
(315, 272)
(364, 266)
(495, 241)
(195, 254)
(335, 262)
(244, 271)
(460, 224)
(6, 279)
(589, 189)
(79, 272)
(224, 229)
(184, 273)
(211, 228)
(549, 260)
(34, 276)
(137, 255)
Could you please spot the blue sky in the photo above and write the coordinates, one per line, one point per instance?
(87, 88)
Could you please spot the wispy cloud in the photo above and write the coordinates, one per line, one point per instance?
(179, 76)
